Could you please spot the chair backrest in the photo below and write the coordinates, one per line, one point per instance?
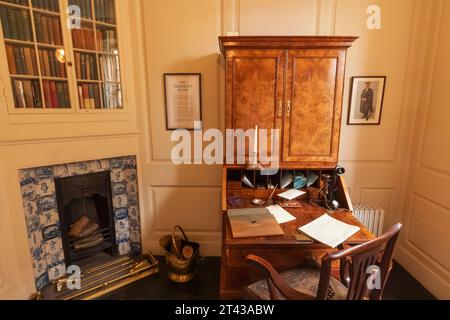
(354, 264)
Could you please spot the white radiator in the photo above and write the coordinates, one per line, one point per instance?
(371, 216)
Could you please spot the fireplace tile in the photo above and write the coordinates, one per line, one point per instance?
(116, 163)
(118, 188)
(46, 187)
(49, 218)
(120, 213)
(30, 208)
(32, 223)
(120, 201)
(56, 272)
(29, 192)
(62, 171)
(117, 175)
(124, 248)
(27, 177)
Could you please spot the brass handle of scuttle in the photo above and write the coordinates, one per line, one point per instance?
(280, 109)
(288, 108)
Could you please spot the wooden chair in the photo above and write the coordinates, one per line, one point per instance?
(312, 281)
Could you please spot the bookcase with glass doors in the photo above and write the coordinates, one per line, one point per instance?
(53, 68)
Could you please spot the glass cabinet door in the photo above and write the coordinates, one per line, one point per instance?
(35, 53)
(96, 54)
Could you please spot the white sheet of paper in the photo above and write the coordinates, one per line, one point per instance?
(281, 215)
(329, 231)
(291, 194)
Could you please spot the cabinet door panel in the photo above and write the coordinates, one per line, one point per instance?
(255, 80)
(314, 106)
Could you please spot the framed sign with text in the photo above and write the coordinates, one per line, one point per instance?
(183, 98)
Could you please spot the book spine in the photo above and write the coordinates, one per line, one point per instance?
(19, 24)
(34, 62)
(83, 66)
(80, 97)
(54, 97)
(93, 68)
(57, 31)
(37, 94)
(26, 25)
(20, 96)
(77, 65)
(62, 69)
(5, 22)
(38, 26)
(18, 62)
(12, 24)
(45, 31)
(86, 101)
(28, 60)
(47, 94)
(51, 35)
(60, 95)
(28, 93)
(97, 98)
(66, 95)
(47, 68)
(91, 96)
(11, 59)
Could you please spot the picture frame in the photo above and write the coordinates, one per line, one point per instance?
(366, 100)
(183, 100)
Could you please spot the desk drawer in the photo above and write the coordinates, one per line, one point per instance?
(279, 258)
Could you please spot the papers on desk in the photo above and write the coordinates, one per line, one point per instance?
(291, 194)
(281, 215)
(329, 231)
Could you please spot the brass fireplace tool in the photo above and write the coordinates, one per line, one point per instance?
(103, 279)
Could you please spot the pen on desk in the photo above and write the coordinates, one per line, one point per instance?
(274, 189)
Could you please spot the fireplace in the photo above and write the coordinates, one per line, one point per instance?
(56, 197)
(86, 215)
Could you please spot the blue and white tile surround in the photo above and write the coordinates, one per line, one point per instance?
(41, 212)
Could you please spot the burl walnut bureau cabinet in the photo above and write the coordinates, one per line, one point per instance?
(294, 84)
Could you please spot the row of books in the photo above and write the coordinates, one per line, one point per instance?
(110, 68)
(56, 94)
(112, 96)
(16, 24)
(89, 96)
(84, 38)
(107, 41)
(27, 93)
(105, 11)
(49, 5)
(50, 66)
(86, 67)
(21, 2)
(48, 29)
(85, 7)
(21, 60)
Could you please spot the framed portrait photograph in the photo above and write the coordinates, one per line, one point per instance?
(366, 100)
(183, 98)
